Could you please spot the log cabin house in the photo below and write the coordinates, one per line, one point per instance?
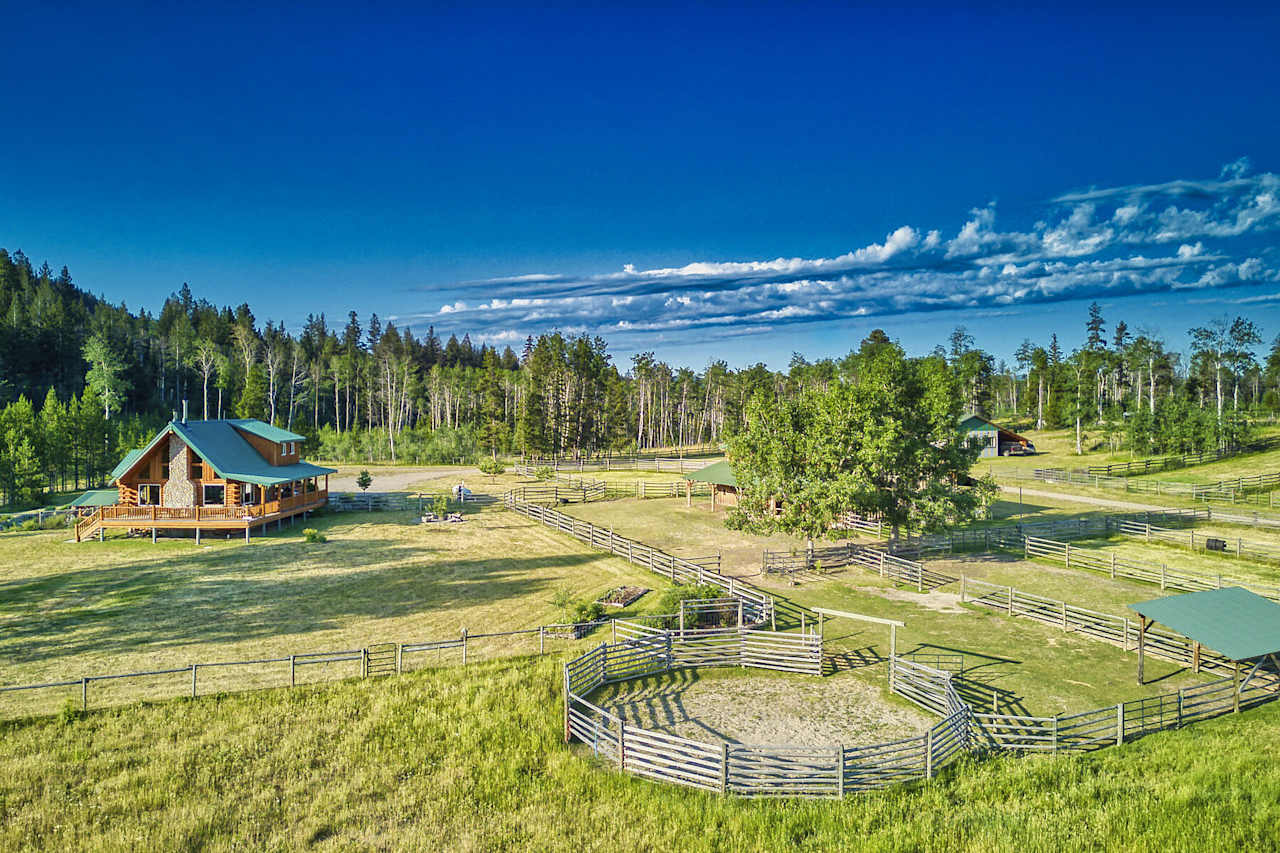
(221, 475)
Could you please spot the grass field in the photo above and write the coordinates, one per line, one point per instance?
(68, 610)
(472, 760)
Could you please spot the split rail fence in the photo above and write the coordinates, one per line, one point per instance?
(758, 607)
(1229, 491)
(1181, 460)
(1139, 570)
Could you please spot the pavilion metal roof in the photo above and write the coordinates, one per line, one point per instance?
(718, 473)
(1232, 621)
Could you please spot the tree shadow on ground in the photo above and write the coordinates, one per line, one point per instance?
(658, 703)
(225, 595)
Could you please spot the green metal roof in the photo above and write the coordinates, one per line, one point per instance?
(717, 472)
(977, 422)
(266, 430)
(230, 455)
(97, 497)
(1232, 621)
(233, 458)
(127, 462)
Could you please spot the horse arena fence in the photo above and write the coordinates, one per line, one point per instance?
(756, 770)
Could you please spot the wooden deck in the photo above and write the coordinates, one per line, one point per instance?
(200, 517)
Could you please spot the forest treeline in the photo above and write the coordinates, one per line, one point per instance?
(82, 379)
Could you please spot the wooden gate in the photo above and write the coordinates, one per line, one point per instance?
(380, 659)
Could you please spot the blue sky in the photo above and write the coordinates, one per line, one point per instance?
(703, 182)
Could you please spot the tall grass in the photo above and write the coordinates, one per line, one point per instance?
(472, 759)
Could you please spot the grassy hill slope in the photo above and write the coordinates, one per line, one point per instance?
(472, 759)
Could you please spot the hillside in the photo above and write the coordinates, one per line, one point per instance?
(472, 759)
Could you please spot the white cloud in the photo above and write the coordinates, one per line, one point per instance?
(1100, 241)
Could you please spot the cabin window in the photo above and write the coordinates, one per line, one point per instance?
(252, 495)
(148, 494)
(215, 495)
(164, 463)
(197, 467)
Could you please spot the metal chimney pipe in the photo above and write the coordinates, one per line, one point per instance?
(184, 412)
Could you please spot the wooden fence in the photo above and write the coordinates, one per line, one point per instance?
(1223, 490)
(1209, 543)
(658, 464)
(758, 606)
(1180, 460)
(1140, 570)
(579, 490)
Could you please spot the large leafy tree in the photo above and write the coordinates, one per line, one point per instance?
(106, 374)
(888, 445)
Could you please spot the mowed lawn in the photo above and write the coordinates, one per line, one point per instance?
(473, 760)
(96, 608)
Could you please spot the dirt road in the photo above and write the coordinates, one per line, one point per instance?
(396, 479)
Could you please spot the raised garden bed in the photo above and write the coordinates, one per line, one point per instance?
(622, 596)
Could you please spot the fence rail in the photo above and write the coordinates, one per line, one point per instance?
(758, 606)
(1140, 570)
(1179, 460)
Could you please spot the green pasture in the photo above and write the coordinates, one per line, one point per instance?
(473, 760)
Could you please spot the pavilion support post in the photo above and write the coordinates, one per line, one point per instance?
(153, 534)
(197, 535)
(1142, 642)
(246, 532)
(1235, 677)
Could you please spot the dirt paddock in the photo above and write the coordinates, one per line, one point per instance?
(749, 707)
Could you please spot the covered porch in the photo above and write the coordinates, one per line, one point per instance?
(279, 503)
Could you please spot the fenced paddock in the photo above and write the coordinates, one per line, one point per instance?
(835, 770)
(758, 606)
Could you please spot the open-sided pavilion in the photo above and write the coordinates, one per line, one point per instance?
(1239, 625)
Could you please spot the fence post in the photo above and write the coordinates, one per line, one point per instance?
(739, 612)
(682, 620)
(1064, 616)
(293, 671)
(1113, 565)
(1055, 733)
(364, 663)
(1119, 723)
(1162, 572)
(542, 639)
(464, 646)
(194, 666)
(84, 693)
(622, 745)
(724, 767)
(1011, 601)
(962, 585)
(1179, 707)
(399, 658)
(1066, 549)
(840, 771)
(566, 703)
(928, 754)
(614, 624)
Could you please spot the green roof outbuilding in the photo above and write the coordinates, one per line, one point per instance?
(717, 473)
(1234, 622)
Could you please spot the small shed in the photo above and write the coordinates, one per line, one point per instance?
(1240, 625)
(994, 439)
(724, 487)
